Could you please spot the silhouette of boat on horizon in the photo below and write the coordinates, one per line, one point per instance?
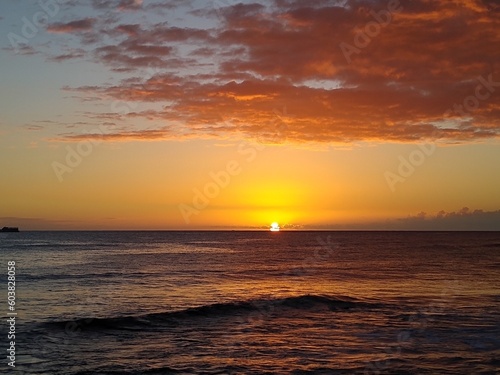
(9, 229)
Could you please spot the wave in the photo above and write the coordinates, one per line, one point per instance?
(248, 310)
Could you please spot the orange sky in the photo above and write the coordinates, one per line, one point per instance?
(199, 115)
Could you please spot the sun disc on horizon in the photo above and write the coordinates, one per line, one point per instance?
(274, 227)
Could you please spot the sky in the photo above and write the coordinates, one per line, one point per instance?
(226, 114)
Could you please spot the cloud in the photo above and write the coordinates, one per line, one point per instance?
(34, 127)
(122, 5)
(130, 55)
(464, 219)
(134, 135)
(461, 220)
(70, 55)
(71, 27)
(428, 71)
(23, 49)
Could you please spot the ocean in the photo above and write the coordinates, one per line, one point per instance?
(243, 302)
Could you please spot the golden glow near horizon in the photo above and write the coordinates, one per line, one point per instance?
(274, 227)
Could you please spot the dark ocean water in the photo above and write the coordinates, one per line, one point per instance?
(254, 302)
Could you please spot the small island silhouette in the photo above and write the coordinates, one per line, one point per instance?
(9, 229)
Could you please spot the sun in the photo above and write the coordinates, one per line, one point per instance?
(274, 227)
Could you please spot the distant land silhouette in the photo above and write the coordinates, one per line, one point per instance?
(9, 229)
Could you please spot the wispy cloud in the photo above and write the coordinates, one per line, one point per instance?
(69, 55)
(135, 135)
(123, 5)
(34, 127)
(76, 26)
